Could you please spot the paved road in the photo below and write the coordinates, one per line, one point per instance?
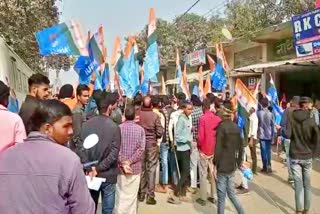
(270, 194)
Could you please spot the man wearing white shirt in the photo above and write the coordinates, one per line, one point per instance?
(253, 130)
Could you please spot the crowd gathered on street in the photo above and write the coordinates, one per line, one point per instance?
(146, 145)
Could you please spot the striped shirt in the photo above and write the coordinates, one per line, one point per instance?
(196, 114)
(133, 143)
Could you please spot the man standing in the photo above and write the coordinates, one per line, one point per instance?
(206, 144)
(304, 136)
(79, 116)
(12, 129)
(38, 90)
(227, 158)
(253, 131)
(184, 140)
(294, 104)
(265, 133)
(105, 152)
(150, 121)
(164, 146)
(133, 142)
(194, 158)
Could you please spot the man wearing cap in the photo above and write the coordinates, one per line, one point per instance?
(304, 136)
(12, 129)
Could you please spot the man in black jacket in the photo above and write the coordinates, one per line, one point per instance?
(304, 145)
(106, 151)
(38, 90)
(227, 158)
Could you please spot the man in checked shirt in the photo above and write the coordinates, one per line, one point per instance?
(133, 141)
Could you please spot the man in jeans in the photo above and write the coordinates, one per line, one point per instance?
(265, 133)
(286, 141)
(227, 158)
(106, 151)
(304, 136)
(206, 143)
(183, 140)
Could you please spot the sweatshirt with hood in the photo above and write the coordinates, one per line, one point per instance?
(304, 135)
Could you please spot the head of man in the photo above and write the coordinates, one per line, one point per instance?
(228, 113)
(53, 118)
(206, 105)
(4, 94)
(227, 97)
(146, 103)
(295, 102)
(83, 94)
(264, 102)
(305, 103)
(165, 100)
(39, 86)
(187, 108)
(66, 91)
(155, 101)
(138, 100)
(196, 100)
(106, 103)
(130, 113)
(181, 97)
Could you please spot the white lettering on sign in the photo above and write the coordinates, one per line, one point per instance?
(297, 27)
(306, 23)
(317, 20)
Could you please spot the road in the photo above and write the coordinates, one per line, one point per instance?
(269, 194)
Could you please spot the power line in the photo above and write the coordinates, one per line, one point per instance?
(192, 6)
(215, 9)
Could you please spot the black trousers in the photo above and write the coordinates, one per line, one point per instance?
(184, 167)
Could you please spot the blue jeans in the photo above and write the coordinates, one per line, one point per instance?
(164, 158)
(301, 170)
(286, 143)
(108, 191)
(225, 186)
(265, 146)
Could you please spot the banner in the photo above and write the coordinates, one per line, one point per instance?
(62, 39)
(196, 58)
(306, 35)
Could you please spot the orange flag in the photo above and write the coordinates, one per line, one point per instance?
(200, 81)
(207, 87)
(212, 63)
(117, 52)
(184, 82)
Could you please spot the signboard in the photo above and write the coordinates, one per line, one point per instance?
(252, 83)
(196, 58)
(306, 35)
(284, 49)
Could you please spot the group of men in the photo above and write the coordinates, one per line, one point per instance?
(156, 143)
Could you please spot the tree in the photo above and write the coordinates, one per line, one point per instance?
(20, 20)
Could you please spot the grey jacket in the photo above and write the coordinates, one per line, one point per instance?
(40, 176)
(266, 125)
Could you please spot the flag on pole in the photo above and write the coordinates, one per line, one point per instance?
(218, 76)
(117, 55)
(207, 87)
(63, 38)
(245, 101)
(256, 90)
(184, 82)
(212, 63)
(200, 88)
(84, 67)
(96, 48)
(221, 59)
(273, 98)
(151, 63)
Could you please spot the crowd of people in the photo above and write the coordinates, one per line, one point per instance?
(144, 145)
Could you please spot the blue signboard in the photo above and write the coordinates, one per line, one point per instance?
(306, 34)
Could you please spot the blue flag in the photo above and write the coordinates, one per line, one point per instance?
(218, 78)
(57, 40)
(151, 63)
(273, 97)
(84, 68)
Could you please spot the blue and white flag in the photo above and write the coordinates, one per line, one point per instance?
(84, 67)
(273, 98)
(218, 78)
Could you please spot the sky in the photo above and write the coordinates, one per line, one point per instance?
(125, 17)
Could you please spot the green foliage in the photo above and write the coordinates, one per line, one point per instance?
(20, 20)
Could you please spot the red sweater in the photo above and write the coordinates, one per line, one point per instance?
(207, 132)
